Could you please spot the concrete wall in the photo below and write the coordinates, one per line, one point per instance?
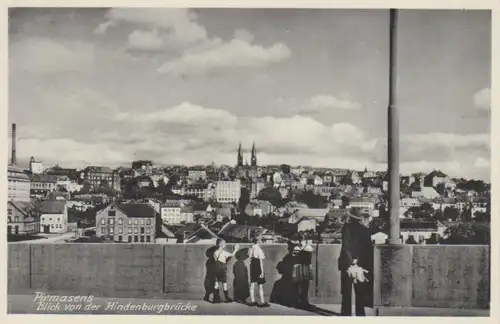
(453, 276)
(418, 276)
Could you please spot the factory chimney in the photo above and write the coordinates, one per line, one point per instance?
(13, 154)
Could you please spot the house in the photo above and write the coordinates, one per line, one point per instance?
(203, 235)
(316, 213)
(379, 238)
(253, 209)
(338, 175)
(53, 216)
(98, 176)
(22, 218)
(306, 224)
(367, 204)
(131, 223)
(265, 206)
(256, 187)
(240, 233)
(317, 180)
(143, 181)
(197, 175)
(427, 192)
(434, 178)
(42, 183)
(421, 231)
(176, 212)
(197, 190)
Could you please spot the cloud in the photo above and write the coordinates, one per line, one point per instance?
(324, 103)
(178, 29)
(236, 53)
(43, 55)
(102, 28)
(189, 133)
(178, 25)
(482, 163)
(145, 40)
(482, 99)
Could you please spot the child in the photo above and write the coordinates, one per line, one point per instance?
(257, 273)
(221, 257)
(302, 271)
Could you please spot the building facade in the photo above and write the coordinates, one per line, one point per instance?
(22, 218)
(18, 184)
(129, 223)
(98, 176)
(228, 191)
(54, 216)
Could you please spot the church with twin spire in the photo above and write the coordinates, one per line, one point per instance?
(244, 169)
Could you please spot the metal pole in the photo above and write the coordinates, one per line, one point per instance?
(393, 134)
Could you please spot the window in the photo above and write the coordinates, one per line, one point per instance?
(130, 222)
(51, 225)
(120, 230)
(148, 221)
(130, 239)
(148, 230)
(111, 230)
(142, 230)
(112, 213)
(136, 238)
(16, 219)
(9, 211)
(120, 221)
(9, 219)
(142, 221)
(103, 230)
(136, 230)
(142, 239)
(130, 230)
(103, 221)
(111, 221)
(136, 221)
(119, 238)
(148, 239)
(16, 229)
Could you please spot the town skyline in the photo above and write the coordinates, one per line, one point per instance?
(186, 86)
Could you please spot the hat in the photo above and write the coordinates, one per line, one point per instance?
(356, 213)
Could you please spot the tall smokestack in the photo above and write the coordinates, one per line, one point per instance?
(13, 156)
(393, 134)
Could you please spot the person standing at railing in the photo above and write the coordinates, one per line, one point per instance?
(221, 257)
(356, 264)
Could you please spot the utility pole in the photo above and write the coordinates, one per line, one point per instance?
(393, 134)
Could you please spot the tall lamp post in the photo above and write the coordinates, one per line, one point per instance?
(393, 135)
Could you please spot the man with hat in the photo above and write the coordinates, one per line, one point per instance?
(356, 263)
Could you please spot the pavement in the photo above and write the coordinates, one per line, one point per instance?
(26, 304)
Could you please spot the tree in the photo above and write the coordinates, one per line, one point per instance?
(285, 168)
(451, 213)
(272, 195)
(244, 200)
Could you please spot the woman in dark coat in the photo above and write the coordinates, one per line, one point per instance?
(302, 271)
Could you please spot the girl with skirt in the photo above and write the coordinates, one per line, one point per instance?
(221, 257)
(302, 271)
(257, 276)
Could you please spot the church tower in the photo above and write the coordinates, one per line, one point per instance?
(240, 156)
(254, 156)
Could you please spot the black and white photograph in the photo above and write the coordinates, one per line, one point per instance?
(249, 161)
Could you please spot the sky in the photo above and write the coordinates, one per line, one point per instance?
(309, 87)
